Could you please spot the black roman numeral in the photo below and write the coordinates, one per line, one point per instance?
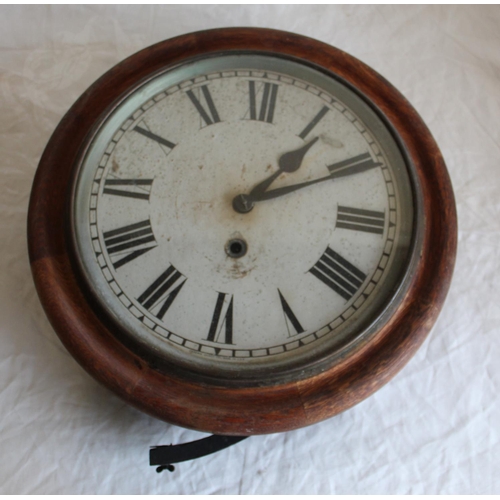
(209, 116)
(160, 140)
(355, 165)
(356, 219)
(222, 321)
(339, 274)
(158, 297)
(267, 103)
(129, 242)
(290, 317)
(129, 188)
(314, 122)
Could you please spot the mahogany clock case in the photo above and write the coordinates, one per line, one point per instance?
(219, 406)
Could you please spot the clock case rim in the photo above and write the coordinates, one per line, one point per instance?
(200, 402)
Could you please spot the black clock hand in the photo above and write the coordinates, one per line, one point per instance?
(288, 162)
(355, 165)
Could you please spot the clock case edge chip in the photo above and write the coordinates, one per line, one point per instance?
(200, 402)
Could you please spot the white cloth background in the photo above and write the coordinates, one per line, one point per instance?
(434, 429)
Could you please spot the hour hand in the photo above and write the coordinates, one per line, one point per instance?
(288, 162)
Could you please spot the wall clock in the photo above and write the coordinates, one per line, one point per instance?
(242, 231)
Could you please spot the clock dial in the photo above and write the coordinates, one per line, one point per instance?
(244, 212)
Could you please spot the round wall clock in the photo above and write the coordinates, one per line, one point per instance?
(242, 231)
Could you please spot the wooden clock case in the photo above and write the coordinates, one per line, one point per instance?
(212, 405)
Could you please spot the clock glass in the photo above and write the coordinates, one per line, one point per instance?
(244, 214)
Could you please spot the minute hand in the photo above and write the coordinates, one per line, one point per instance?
(352, 166)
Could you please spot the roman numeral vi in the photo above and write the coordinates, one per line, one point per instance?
(222, 320)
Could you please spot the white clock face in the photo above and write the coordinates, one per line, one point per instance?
(243, 213)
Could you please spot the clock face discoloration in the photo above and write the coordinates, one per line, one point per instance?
(299, 271)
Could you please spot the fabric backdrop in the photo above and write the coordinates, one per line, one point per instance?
(435, 428)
